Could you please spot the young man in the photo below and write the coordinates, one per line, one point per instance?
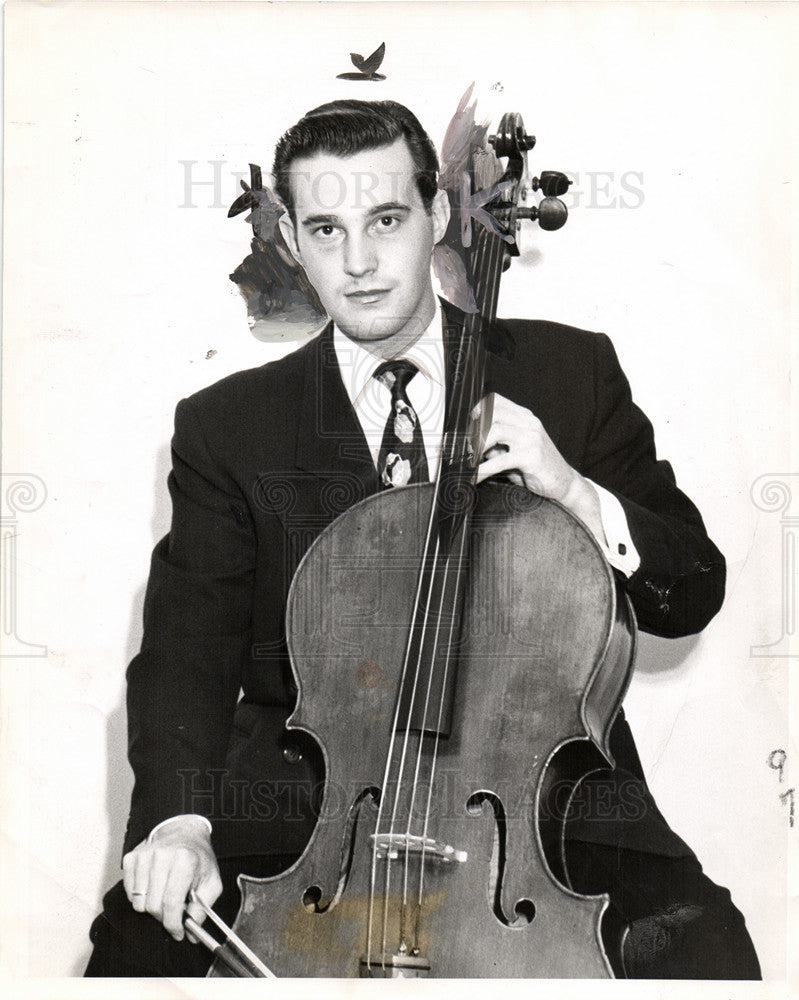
(265, 459)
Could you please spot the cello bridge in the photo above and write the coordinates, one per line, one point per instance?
(391, 845)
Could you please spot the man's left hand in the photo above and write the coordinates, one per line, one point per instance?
(518, 445)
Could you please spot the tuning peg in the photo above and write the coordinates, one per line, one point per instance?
(552, 183)
(550, 213)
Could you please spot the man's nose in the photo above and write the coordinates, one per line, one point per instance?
(359, 256)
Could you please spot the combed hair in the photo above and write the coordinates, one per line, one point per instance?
(343, 128)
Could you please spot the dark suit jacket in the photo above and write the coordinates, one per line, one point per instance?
(266, 458)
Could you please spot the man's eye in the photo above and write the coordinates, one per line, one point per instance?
(388, 222)
(326, 232)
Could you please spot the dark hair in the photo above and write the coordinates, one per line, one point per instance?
(347, 127)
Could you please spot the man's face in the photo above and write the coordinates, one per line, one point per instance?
(364, 238)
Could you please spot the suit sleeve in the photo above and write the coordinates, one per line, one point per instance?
(184, 684)
(679, 585)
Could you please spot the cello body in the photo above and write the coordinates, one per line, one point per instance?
(459, 872)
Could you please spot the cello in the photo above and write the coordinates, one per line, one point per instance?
(460, 653)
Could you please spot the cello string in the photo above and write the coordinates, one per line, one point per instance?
(448, 659)
(448, 454)
(427, 604)
(389, 759)
(437, 736)
(393, 738)
(443, 582)
(477, 373)
(492, 267)
(420, 745)
(419, 632)
(389, 840)
(456, 443)
(443, 579)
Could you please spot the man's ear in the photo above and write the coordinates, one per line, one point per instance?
(290, 236)
(439, 209)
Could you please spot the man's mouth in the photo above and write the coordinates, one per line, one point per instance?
(367, 296)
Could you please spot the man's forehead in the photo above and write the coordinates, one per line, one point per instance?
(326, 181)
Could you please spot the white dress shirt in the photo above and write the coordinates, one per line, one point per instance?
(371, 399)
(426, 391)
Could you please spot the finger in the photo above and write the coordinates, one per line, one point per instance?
(514, 463)
(501, 433)
(508, 412)
(128, 871)
(195, 909)
(176, 891)
(188, 933)
(203, 896)
(485, 408)
(160, 861)
(135, 880)
(209, 887)
(197, 914)
(493, 451)
(496, 466)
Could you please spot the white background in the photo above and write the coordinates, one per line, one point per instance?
(115, 293)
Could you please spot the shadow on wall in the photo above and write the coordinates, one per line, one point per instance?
(665, 656)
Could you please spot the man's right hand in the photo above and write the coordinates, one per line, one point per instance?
(160, 873)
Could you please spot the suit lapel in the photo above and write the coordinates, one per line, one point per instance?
(330, 440)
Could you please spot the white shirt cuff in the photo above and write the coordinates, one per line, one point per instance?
(172, 819)
(617, 544)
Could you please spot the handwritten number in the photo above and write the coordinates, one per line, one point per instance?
(776, 760)
(789, 798)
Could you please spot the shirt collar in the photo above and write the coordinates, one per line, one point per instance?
(358, 365)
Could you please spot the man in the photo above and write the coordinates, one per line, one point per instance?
(263, 460)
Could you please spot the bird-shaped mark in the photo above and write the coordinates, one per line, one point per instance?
(367, 66)
(371, 63)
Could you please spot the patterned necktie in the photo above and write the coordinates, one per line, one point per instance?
(402, 457)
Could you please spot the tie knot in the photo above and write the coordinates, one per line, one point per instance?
(395, 375)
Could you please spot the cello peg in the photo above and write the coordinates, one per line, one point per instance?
(552, 214)
(552, 183)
